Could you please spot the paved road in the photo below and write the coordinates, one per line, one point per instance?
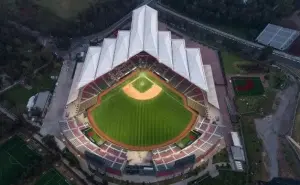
(8, 114)
(278, 125)
(58, 101)
(226, 35)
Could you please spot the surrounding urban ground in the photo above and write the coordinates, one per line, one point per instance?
(141, 122)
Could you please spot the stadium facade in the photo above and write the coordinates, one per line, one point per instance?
(143, 47)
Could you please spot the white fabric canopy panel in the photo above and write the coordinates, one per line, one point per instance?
(137, 32)
(197, 74)
(212, 96)
(179, 58)
(90, 66)
(150, 32)
(144, 36)
(121, 50)
(106, 57)
(165, 48)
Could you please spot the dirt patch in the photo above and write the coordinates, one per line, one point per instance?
(132, 92)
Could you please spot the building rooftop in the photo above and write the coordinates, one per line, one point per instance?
(144, 37)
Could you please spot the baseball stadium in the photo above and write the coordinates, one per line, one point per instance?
(143, 104)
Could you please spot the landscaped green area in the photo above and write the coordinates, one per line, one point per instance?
(19, 95)
(262, 104)
(230, 62)
(187, 140)
(253, 147)
(222, 156)
(52, 177)
(93, 136)
(65, 9)
(247, 86)
(141, 123)
(15, 159)
(142, 84)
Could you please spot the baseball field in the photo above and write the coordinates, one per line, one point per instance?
(141, 112)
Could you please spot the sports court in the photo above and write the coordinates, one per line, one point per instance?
(52, 177)
(15, 158)
(247, 86)
(122, 118)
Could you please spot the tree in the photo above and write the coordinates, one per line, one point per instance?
(265, 53)
(49, 140)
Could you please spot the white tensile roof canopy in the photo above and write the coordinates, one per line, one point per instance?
(144, 36)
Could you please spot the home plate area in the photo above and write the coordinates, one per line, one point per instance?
(142, 88)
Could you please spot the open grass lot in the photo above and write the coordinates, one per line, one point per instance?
(65, 9)
(20, 95)
(141, 123)
(142, 84)
(230, 62)
(52, 177)
(247, 86)
(256, 104)
(15, 159)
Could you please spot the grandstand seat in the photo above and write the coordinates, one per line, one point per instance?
(101, 84)
(103, 147)
(168, 159)
(119, 160)
(213, 139)
(72, 124)
(77, 132)
(206, 146)
(100, 152)
(90, 146)
(123, 155)
(211, 128)
(82, 139)
(113, 152)
(205, 136)
(158, 161)
(110, 157)
(203, 127)
(190, 149)
(90, 89)
(179, 155)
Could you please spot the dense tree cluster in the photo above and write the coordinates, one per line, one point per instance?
(20, 54)
(254, 14)
(101, 15)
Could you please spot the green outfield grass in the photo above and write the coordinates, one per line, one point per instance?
(142, 123)
(52, 177)
(15, 159)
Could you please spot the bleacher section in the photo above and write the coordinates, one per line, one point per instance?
(165, 158)
(113, 156)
